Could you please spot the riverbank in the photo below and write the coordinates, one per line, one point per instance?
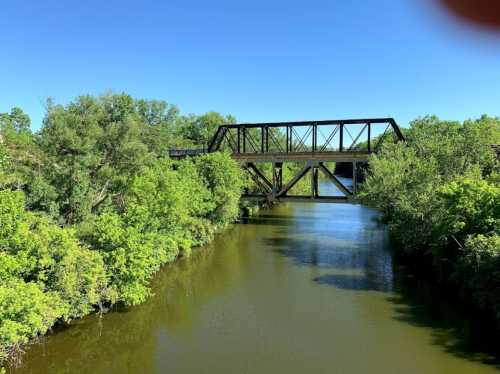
(298, 287)
(440, 196)
(52, 275)
(91, 207)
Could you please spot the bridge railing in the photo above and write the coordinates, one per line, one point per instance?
(350, 135)
(181, 153)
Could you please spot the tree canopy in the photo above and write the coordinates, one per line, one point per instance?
(440, 194)
(91, 206)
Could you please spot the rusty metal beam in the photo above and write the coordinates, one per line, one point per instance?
(335, 180)
(293, 181)
(300, 198)
(261, 176)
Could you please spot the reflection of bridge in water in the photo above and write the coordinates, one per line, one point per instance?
(312, 144)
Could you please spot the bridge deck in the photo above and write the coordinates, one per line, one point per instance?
(355, 156)
(303, 199)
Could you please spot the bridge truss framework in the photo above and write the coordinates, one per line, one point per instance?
(312, 144)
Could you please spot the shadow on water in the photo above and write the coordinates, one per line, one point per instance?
(339, 254)
(367, 264)
(351, 282)
(457, 329)
(279, 221)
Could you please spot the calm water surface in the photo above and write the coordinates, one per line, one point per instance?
(302, 288)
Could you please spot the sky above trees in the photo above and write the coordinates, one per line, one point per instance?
(259, 60)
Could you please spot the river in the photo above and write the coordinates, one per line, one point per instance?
(300, 288)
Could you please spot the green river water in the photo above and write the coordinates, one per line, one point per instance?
(301, 288)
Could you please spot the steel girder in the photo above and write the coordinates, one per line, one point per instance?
(274, 189)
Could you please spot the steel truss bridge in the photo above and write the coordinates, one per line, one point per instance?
(310, 144)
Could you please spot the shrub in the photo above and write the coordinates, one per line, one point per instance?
(472, 206)
(25, 312)
(45, 274)
(478, 270)
(224, 179)
(98, 169)
(440, 196)
(130, 257)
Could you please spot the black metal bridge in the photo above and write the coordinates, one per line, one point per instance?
(312, 145)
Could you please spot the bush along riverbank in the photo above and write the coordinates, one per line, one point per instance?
(440, 195)
(91, 207)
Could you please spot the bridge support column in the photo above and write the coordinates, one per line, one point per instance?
(277, 177)
(244, 131)
(314, 181)
(313, 167)
(354, 178)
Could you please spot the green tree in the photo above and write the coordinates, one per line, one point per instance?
(96, 148)
(45, 275)
(472, 207)
(91, 207)
(199, 130)
(440, 195)
(21, 157)
(224, 179)
(478, 271)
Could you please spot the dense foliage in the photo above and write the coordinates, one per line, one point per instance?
(440, 194)
(91, 207)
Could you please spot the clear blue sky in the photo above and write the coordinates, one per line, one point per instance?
(259, 60)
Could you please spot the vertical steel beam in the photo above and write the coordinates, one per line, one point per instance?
(314, 182)
(277, 177)
(244, 139)
(280, 176)
(239, 139)
(275, 181)
(354, 178)
(287, 136)
(315, 137)
(369, 136)
(341, 140)
(313, 187)
(262, 139)
(317, 182)
(244, 165)
(267, 138)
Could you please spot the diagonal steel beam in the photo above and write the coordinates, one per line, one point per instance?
(293, 181)
(252, 142)
(261, 186)
(302, 139)
(211, 145)
(357, 137)
(335, 180)
(233, 145)
(260, 175)
(381, 138)
(329, 139)
(275, 141)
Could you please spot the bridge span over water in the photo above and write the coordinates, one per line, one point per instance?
(314, 145)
